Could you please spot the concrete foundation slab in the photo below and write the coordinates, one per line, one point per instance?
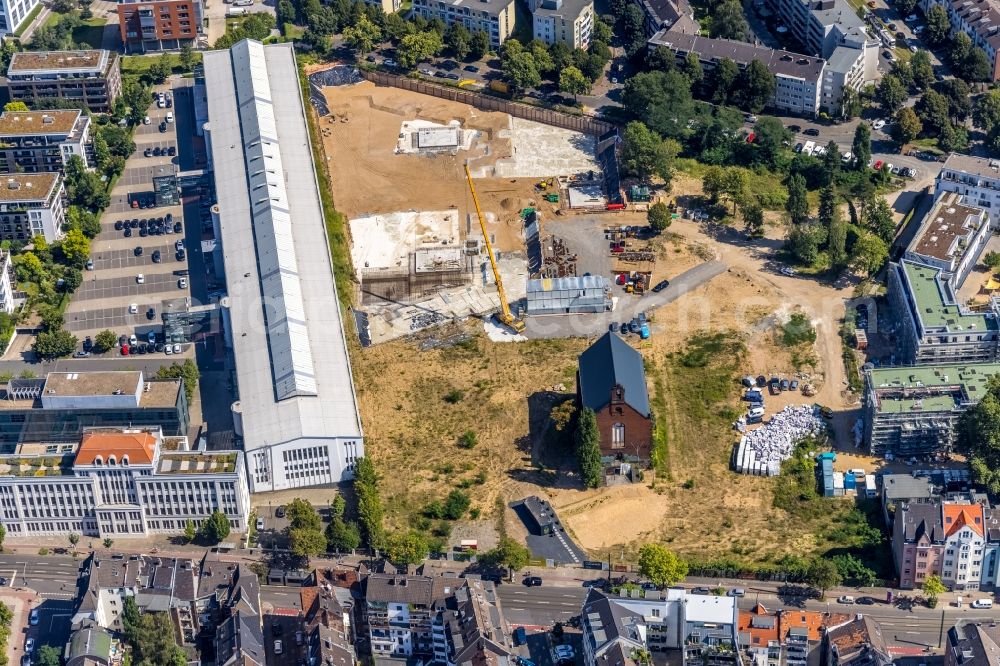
(386, 241)
(541, 151)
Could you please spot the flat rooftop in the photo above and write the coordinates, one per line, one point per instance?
(31, 123)
(569, 8)
(947, 223)
(929, 388)
(27, 186)
(29, 62)
(157, 393)
(935, 309)
(978, 166)
(784, 63)
(198, 462)
(92, 383)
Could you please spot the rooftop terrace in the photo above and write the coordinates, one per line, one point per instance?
(26, 62)
(201, 462)
(936, 306)
(947, 227)
(929, 387)
(32, 123)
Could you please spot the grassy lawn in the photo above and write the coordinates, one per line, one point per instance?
(765, 184)
(91, 32)
(137, 65)
(930, 145)
(293, 31)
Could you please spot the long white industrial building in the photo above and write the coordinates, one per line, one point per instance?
(297, 413)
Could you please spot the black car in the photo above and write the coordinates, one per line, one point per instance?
(177, 227)
(612, 327)
(812, 131)
(661, 285)
(453, 76)
(138, 251)
(280, 512)
(119, 225)
(157, 151)
(163, 127)
(761, 381)
(794, 128)
(623, 329)
(143, 233)
(156, 256)
(180, 255)
(138, 349)
(159, 346)
(171, 151)
(3, 582)
(533, 581)
(148, 152)
(865, 601)
(134, 224)
(128, 232)
(88, 344)
(471, 68)
(122, 340)
(701, 590)
(150, 313)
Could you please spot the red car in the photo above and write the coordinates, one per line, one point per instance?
(124, 350)
(751, 137)
(878, 165)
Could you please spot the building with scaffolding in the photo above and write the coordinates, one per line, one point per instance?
(934, 327)
(912, 411)
(569, 295)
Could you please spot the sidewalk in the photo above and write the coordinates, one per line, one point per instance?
(20, 601)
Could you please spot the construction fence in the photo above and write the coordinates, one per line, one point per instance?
(583, 124)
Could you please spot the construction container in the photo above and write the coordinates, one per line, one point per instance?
(870, 490)
(849, 482)
(838, 484)
(567, 295)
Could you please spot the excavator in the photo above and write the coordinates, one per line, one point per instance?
(506, 317)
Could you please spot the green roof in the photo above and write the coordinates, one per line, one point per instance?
(956, 383)
(934, 309)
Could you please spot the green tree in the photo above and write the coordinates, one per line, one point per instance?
(186, 371)
(645, 154)
(932, 109)
(692, 69)
(907, 127)
(520, 71)
(417, 47)
(658, 216)
(187, 57)
(660, 565)
(458, 40)
(216, 528)
(160, 69)
(74, 539)
(588, 448)
(753, 218)
(48, 656)
(409, 548)
(992, 260)
(572, 81)
(306, 541)
(878, 218)
(891, 94)
(713, 182)
(979, 437)
(771, 139)
(937, 25)
(922, 69)
(342, 536)
(862, 146)
(76, 247)
(3, 535)
(797, 204)
(338, 506)
(632, 30)
(190, 531)
(479, 44)
(756, 86)
(51, 345)
(986, 111)
(15, 106)
(104, 341)
(831, 162)
(837, 244)
(662, 100)
(301, 514)
(510, 554)
(363, 36)
(933, 587)
(804, 241)
(823, 575)
(869, 253)
(729, 22)
(108, 542)
(723, 83)
(456, 504)
(737, 185)
(370, 511)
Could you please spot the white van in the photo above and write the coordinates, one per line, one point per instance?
(982, 603)
(243, 3)
(808, 149)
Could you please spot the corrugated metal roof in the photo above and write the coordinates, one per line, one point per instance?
(567, 283)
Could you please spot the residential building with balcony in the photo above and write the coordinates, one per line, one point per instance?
(494, 17)
(6, 284)
(951, 238)
(798, 78)
(917, 542)
(120, 483)
(568, 21)
(913, 410)
(858, 642)
(92, 78)
(934, 328)
(787, 637)
(15, 12)
(54, 412)
(977, 179)
(31, 204)
(43, 141)
(157, 25)
(964, 545)
(979, 19)
(326, 625)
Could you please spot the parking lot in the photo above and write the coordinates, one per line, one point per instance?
(281, 628)
(137, 239)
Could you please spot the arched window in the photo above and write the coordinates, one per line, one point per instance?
(112, 460)
(98, 460)
(125, 460)
(618, 436)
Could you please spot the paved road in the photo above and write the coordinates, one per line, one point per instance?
(560, 326)
(540, 606)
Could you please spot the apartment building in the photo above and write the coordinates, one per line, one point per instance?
(568, 21)
(798, 78)
(32, 204)
(932, 326)
(43, 141)
(449, 620)
(917, 542)
(846, 69)
(964, 545)
(157, 25)
(326, 625)
(858, 642)
(977, 179)
(15, 12)
(913, 410)
(973, 644)
(297, 412)
(951, 238)
(787, 637)
(6, 284)
(92, 78)
(979, 19)
(702, 627)
(494, 17)
(121, 483)
(239, 633)
(54, 412)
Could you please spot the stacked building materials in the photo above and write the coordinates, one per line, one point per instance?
(760, 452)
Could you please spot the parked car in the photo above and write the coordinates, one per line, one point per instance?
(140, 278)
(661, 285)
(88, 345)
(277, 647)
(471, 68)
(34, 617)
(156, 256)
(736, 592)
(794, 385)
(177, 348)
(163, 128)
(533, 581)
(701, 590)
(520, 636)
(148, 152)
(784, 385)
(811, 131)
(29, 643)
(280, 511)
(865, 601)
(982, 603)
(846, 599)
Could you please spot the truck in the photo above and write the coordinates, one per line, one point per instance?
(808, 148)
(234, 12)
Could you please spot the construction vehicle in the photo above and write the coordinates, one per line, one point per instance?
(499, 86)
(507, 318)
(551, 198)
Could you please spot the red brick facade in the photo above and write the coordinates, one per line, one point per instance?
(157, 24)
(635, 438)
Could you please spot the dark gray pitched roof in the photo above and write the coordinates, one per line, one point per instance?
(400, 589)
(974, 644)
(609, 362)
(922, 518)
(608, 621)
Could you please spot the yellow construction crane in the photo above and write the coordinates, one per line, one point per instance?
(507, 317)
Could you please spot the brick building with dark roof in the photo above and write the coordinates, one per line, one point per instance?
(971, 644)
(859, 642)
(611, 381)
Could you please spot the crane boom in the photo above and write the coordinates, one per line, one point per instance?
(506, 316)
